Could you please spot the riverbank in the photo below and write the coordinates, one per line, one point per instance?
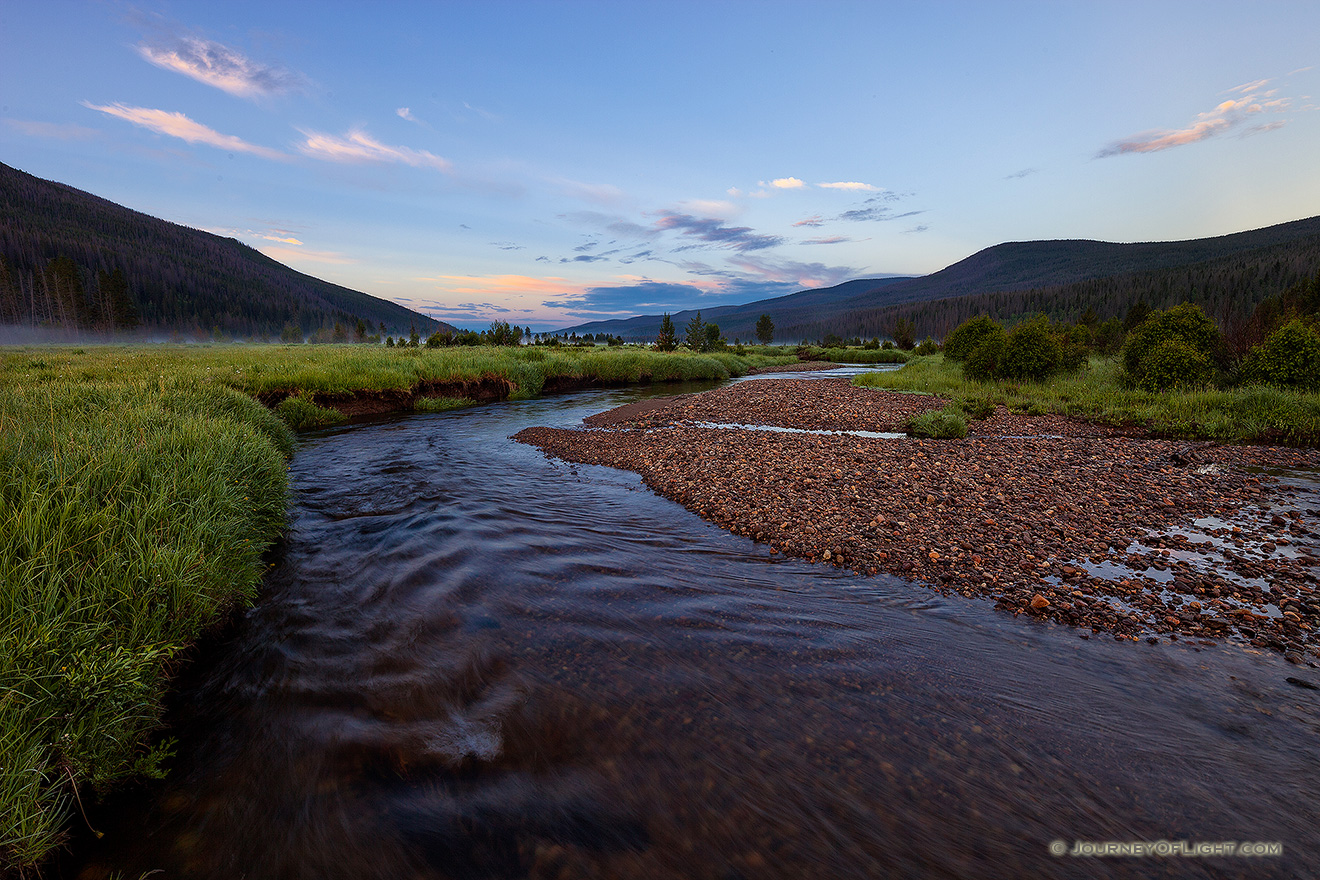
(140, 487)
(1049, 516)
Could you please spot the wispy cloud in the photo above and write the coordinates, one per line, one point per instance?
(875, 209)
(604, 194)
(740, 238)
(303, 255)
(1018, 175)
(216, 64)
(180, 126)
(829, 239)
(852, 185)
(57, 131)
(1226, 116)
(405, 113)
(793, 272)
(358, 146)
(813, 220)
(785, 183)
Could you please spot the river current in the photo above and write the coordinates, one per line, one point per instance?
(474, 661)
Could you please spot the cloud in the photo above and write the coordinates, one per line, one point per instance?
(507, 245)
(288, 240)
(791, 272)
(850, 185)
(831, 239)
(631, 299)
(605, 194)
(1224, 117)
(1018, 175)
(405, 113)
(60, 132)
(914, 229)
(874, 209)
(303, 255)
(813, 220)
(180, 126)
(358, 146)
(786, 183)
(611, 223)
(740, 238)
(222, 67)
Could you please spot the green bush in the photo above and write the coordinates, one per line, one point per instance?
(1032, 352)
(965, 338)
(984, 362)
(1289, 356)
(1175, 364)
(1186, 323)
(928, 346)
(944, 424)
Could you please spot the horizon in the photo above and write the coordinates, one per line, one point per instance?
(552, 165)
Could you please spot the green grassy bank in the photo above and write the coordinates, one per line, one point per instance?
(139, 488)
(1249, 414)
(337, 369)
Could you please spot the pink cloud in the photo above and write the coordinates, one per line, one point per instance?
(179, 126)
(358, 146)
(219, 66)
(1227, 115)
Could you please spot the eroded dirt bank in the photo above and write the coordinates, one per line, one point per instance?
(1047, 516)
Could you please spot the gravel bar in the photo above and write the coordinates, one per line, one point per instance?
(1047, 516)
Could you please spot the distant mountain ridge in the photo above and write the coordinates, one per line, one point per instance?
(72, 260)
(1061, 275)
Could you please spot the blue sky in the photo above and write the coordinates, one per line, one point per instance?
(548, 163)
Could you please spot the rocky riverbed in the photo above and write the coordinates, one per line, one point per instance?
(1047, 516)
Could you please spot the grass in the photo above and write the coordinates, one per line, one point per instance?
(854, 355)
(132, 517)
(1249, 414)
(335, 369)
(139, 489)
(441, 404)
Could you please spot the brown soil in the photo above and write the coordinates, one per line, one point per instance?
(1047, 516)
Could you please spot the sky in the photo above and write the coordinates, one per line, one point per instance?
(549, 163)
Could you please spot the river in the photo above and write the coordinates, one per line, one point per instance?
(473, 661)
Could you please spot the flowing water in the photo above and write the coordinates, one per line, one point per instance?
(473, 661)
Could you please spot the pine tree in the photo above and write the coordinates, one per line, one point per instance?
(696, 333)
(765, 330)
(667, 340)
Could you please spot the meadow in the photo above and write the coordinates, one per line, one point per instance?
(140, 490)
(1244, 414)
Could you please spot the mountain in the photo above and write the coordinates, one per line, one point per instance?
(739, 321)
(1228, 274)
(74, 261)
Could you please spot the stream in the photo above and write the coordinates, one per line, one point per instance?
(473, 661)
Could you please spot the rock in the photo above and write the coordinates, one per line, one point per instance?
(1038, 602)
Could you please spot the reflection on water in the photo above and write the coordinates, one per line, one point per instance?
(477, 662)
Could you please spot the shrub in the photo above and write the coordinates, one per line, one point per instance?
(1186, 323)
(944, 424)
(1288, 356)
(1174, 364)
(984, 362)
(1031, 352)
(1074, 347)
(964, 338)
(927, 346)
